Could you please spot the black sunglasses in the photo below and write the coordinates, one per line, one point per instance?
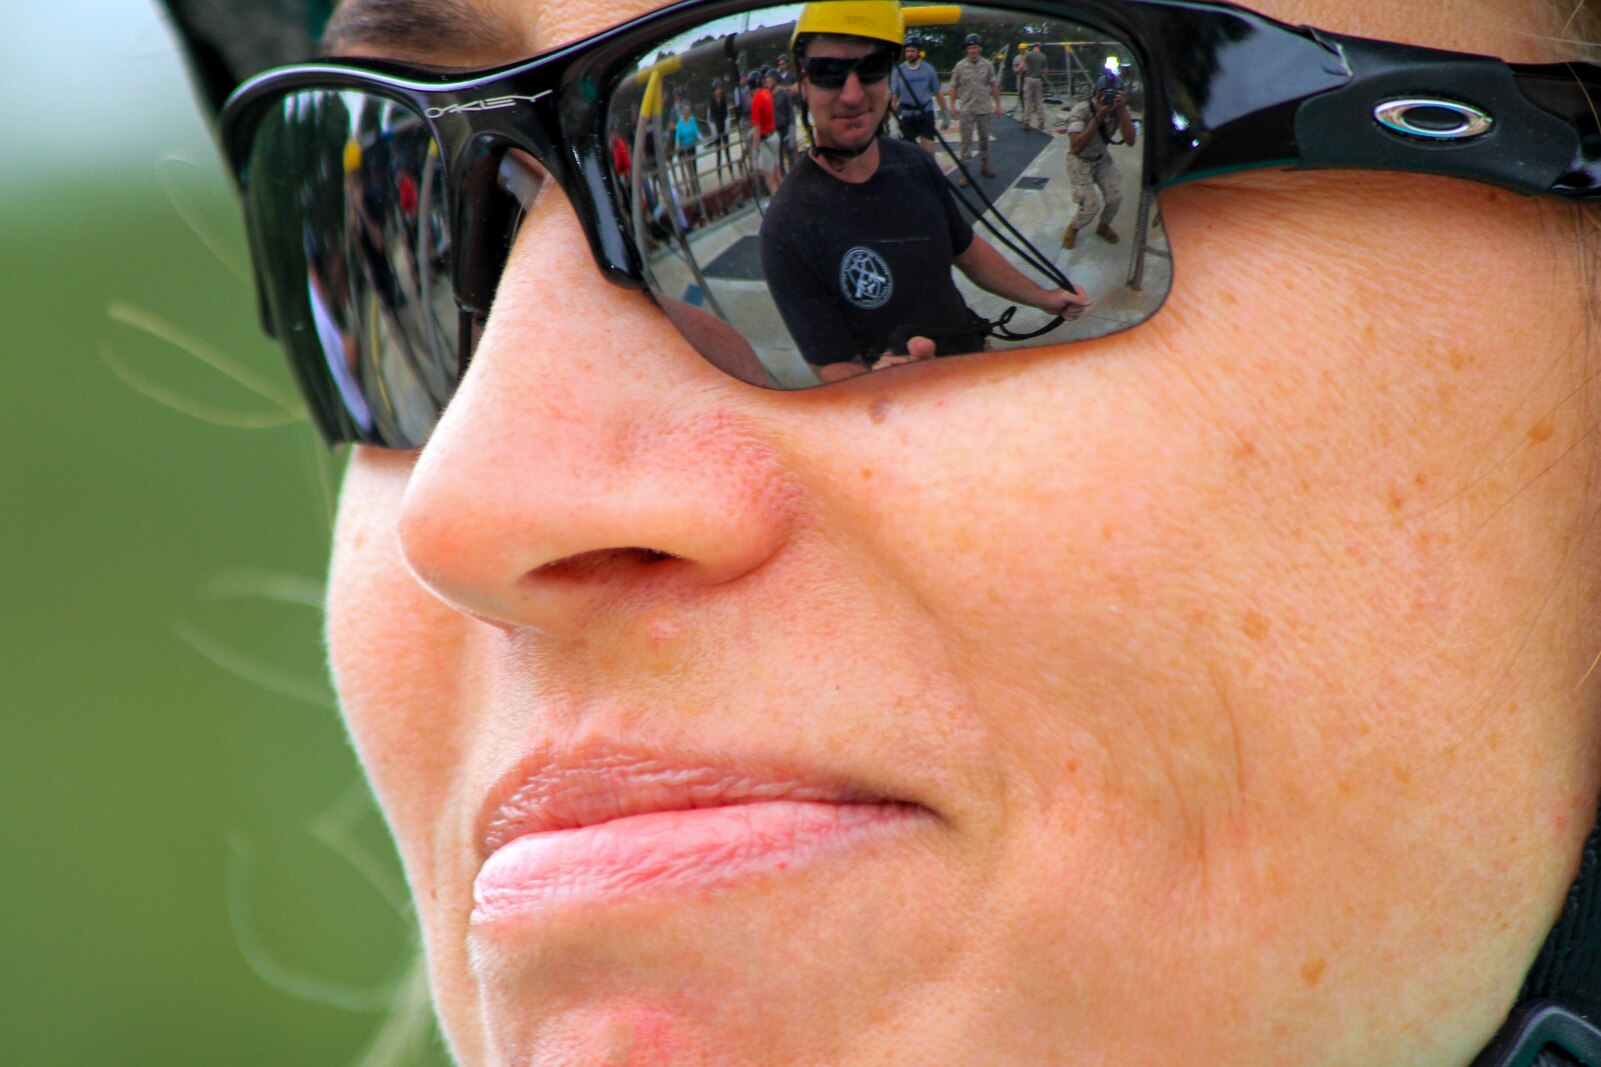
(828, 73)
(382, 198)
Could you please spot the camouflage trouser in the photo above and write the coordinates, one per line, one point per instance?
(1084, 177)
(981, 119)
(1034, 102)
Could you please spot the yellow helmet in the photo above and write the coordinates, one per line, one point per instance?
(880, 20)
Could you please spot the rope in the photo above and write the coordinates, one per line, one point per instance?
(1031, 255)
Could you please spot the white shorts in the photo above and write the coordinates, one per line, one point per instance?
(767, 152)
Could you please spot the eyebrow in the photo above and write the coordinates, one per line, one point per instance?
(417, 26)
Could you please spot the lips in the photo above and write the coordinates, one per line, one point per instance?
(620, 827)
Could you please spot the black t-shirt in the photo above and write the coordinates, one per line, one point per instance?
(783, 110)
(857, 268)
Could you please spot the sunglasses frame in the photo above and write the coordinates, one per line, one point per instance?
(1226, 89)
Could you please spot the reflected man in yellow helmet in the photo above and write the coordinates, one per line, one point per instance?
(858, 245)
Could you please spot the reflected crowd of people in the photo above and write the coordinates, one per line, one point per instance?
(713, 140)
(733, 137)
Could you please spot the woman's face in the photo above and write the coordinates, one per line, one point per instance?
(1213, 693)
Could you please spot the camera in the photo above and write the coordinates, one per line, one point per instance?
(1106, 89)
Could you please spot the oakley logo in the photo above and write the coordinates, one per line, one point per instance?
(1438, 120)
(494, 103)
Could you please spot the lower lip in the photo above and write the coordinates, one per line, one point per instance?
(666, 852)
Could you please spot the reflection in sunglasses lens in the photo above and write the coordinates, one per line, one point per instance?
(794, 230)
(798, 232)
(352, 223)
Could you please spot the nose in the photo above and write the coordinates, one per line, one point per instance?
(590, 461)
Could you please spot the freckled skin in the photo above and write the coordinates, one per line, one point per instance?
(1165, 627)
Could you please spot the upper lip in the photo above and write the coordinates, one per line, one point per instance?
(554, 793)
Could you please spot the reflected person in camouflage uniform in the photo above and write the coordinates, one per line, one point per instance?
(1091, 127)
(1032, 81)
(976, 99)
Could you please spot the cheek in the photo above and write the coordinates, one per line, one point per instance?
(396, 656)
(1517, 32)
(1289, 479)
(1231, 589)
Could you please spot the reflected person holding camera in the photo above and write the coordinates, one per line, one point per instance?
(1092, 127)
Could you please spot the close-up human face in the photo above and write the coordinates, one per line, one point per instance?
(847, 117)
(1215, 692)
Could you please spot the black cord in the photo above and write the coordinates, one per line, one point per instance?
(1028, 252)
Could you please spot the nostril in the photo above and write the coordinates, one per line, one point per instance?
(597, 565)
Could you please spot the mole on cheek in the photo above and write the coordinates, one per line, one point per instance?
(878, 410)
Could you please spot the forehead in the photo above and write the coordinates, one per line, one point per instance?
(839, 48)
(485, 32)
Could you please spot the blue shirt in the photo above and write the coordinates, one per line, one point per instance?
(917, 87)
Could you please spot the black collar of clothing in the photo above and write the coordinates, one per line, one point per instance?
(1554, 1023)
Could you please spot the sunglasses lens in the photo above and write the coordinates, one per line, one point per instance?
(876, 67)
(896, 240)
(832, 73)
(829, 73)
(346, 210)
(787, 270)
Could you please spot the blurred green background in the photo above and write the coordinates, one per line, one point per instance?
(192, 873)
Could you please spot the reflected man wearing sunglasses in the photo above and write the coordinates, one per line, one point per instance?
(859, 243)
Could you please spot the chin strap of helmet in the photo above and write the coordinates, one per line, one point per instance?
(836, 158)
(1554, 1023)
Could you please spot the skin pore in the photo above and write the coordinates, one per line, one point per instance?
(1235, 668)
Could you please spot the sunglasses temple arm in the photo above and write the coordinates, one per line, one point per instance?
(1572, 93)
(1527, 147)
(1312, 98)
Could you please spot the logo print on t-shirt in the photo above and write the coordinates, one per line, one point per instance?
(865, 279)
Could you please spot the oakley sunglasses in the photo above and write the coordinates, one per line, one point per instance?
(382, 199)
(834, 73)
